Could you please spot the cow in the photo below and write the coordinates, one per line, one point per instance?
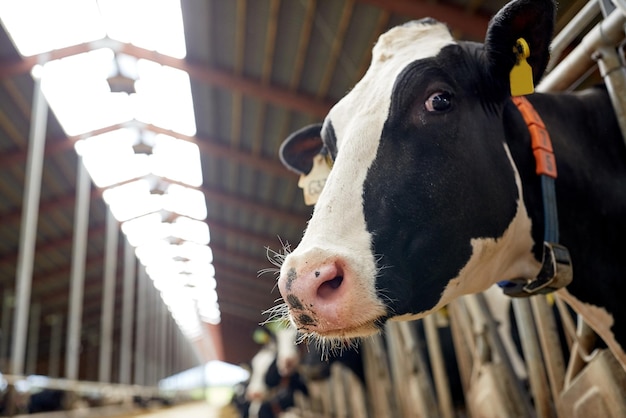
(434, 193)
(274, 378)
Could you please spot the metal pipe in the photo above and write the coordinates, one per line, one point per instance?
(565, 37)
(108, 298)
(550, 344)
(77, 274)
(532, 355)
(28, 227)
(482, 313)
(614, 75)
(130, 270)
(442, 385)
(608, 32)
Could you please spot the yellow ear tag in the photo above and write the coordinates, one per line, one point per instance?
(313, 183)
(260, 336)
(521, 76)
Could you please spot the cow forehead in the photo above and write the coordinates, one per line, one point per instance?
(369, 100)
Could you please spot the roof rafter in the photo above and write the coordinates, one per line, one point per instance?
(473, 25)
(277, 95)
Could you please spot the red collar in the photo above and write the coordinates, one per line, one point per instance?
(539, 136)
(556, 268)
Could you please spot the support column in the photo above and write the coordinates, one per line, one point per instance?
(54, 360)
(140, 345)
(162, 360)
(108, 298)
(7, 310)
(151, 338)
(33, 339)
(130, 270)
(77, 275)
(28, 228)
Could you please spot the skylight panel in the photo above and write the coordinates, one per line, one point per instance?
(164, 97)
(185, 201)
(156, 25)
(191, 230)
(177, 159)
(209, 312)
(113, 149)
(132, 200)
(144, 174)
(78, 93)
(38, 26)
(144, 229)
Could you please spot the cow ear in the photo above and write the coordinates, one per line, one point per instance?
(298, 150)
(532, 20)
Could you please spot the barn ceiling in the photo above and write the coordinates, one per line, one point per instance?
(259, 69)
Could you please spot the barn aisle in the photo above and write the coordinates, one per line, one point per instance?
(199, 409)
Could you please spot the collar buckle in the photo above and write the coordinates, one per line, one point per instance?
(555, 273)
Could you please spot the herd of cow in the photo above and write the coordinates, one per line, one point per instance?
(283, 371)
(446, 176)
(287, 378)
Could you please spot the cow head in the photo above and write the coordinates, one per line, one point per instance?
(424, 201)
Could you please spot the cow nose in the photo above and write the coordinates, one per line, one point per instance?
(255, 395)
(305, 289)
(329, 278)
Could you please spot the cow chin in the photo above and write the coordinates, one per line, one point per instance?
(344, 332)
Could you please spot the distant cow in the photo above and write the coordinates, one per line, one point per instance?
(274, 378)
(434, 192)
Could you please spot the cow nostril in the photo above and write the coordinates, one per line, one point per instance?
(327, 288)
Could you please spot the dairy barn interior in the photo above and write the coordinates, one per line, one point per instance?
(142, 200)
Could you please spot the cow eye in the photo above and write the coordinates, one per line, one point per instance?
(438, 102)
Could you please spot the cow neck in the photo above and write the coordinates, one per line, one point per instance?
(556, 266)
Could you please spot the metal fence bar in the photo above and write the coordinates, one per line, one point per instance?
(572, 30)
(610, 30)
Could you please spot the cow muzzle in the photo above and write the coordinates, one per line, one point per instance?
(326, 297)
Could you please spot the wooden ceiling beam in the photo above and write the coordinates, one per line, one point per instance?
(473, 26)
(336, 49)
(207, 146)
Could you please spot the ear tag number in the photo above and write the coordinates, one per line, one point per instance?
(313, 183)
(521, 76)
